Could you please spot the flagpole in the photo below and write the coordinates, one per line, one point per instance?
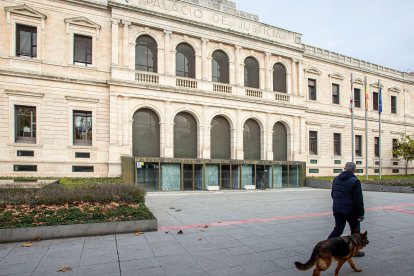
(379, 117)
(352, 118)
(366, 129)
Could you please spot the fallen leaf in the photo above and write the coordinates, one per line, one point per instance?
(27, 244)
(178, 210)
(166, 232)
(200, 239)
(180, 232)
(138, 234)
(64, 269)
(205, 226)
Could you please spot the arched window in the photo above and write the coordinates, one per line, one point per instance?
(185, 136)
(251, 140)
(251, 72)
(279, 142)
(279, 78)
(220, 138)
(185, 61)
(146, 54)
(220, 67)
(146, 134)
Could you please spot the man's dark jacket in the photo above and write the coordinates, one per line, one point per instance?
(347, 195)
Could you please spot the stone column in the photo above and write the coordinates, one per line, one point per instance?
(294, 79)
(204, 59)
(269, 135)
(237, 77)
(167, 52)
(239, 136)
(301, 78)
(113, 119)
(267, 70)
(115, 41)
(168, 131)
(125, 44)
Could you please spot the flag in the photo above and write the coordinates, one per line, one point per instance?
(366, 96)
(380, 99)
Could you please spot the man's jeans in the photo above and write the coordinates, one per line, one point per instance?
(340, 221)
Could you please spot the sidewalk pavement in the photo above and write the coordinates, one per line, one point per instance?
(228, 233)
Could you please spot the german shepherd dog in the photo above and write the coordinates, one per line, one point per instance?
(341, 249)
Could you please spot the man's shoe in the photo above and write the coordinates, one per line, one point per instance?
(360, 254)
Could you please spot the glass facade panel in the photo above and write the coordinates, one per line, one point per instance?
(188, 177)
(82, 128)
(285, 176)
(148, 175)
(198, 177)
(251, 73)
(247, 175)
(251, 140)
(220, 138)
(212, 175)
(185, 136)
(170, 177)
(146, 54)
(277, 177)
(279, 78)
(294, 175)
(146, 134)
(225, 177)
(235, 177)
(279, 142)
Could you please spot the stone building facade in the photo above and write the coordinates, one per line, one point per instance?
(80, 81)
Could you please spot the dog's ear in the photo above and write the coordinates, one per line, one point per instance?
(365, 234)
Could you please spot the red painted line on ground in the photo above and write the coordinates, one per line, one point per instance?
(396, 208)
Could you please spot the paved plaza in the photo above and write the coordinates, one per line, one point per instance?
(228, 233)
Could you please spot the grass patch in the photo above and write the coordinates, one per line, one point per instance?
(60, 205)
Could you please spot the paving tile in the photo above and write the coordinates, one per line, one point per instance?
(127, 254)
(212, 260)
(98, 259)
(136, 265)
(12, 269)
(229, 271)
(157, 271)
(99, 269)
(235, 251)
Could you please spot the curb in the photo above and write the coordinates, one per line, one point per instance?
(326, 184)
(76, 230)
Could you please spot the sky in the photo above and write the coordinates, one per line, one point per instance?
(377, 31)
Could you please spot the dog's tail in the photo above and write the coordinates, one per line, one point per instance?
(309, 263)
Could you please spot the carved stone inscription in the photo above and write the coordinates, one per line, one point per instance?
(217, 18)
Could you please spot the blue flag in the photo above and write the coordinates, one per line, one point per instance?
(380, 100)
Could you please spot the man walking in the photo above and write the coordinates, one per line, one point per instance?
(348, 202)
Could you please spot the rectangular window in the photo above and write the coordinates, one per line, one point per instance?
(337, 162)
(82, 50)
(395, 171)
(335, 93)
(312, 89)
(394, 147)
(394, 104)
(82, 155)
(358, 145)
(376, 146)
(25, 124)
(313, 170)
(357, 97)
(395, 163)
(82, 168)
(375, 101)
(26, 41)
(313, 161)
(82, 128)
(337, 170)
(313, 142)
(337, 144)
(25, 153)
(25, 168)
(358, 162)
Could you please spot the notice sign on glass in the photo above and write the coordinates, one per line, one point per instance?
(140, 165)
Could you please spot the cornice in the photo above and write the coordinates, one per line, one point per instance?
(52, 78)
(21, 93)
(81, 99)
(337, 76)
(25, 11)
(313, 70)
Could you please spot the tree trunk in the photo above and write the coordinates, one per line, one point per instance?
(406, 167)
